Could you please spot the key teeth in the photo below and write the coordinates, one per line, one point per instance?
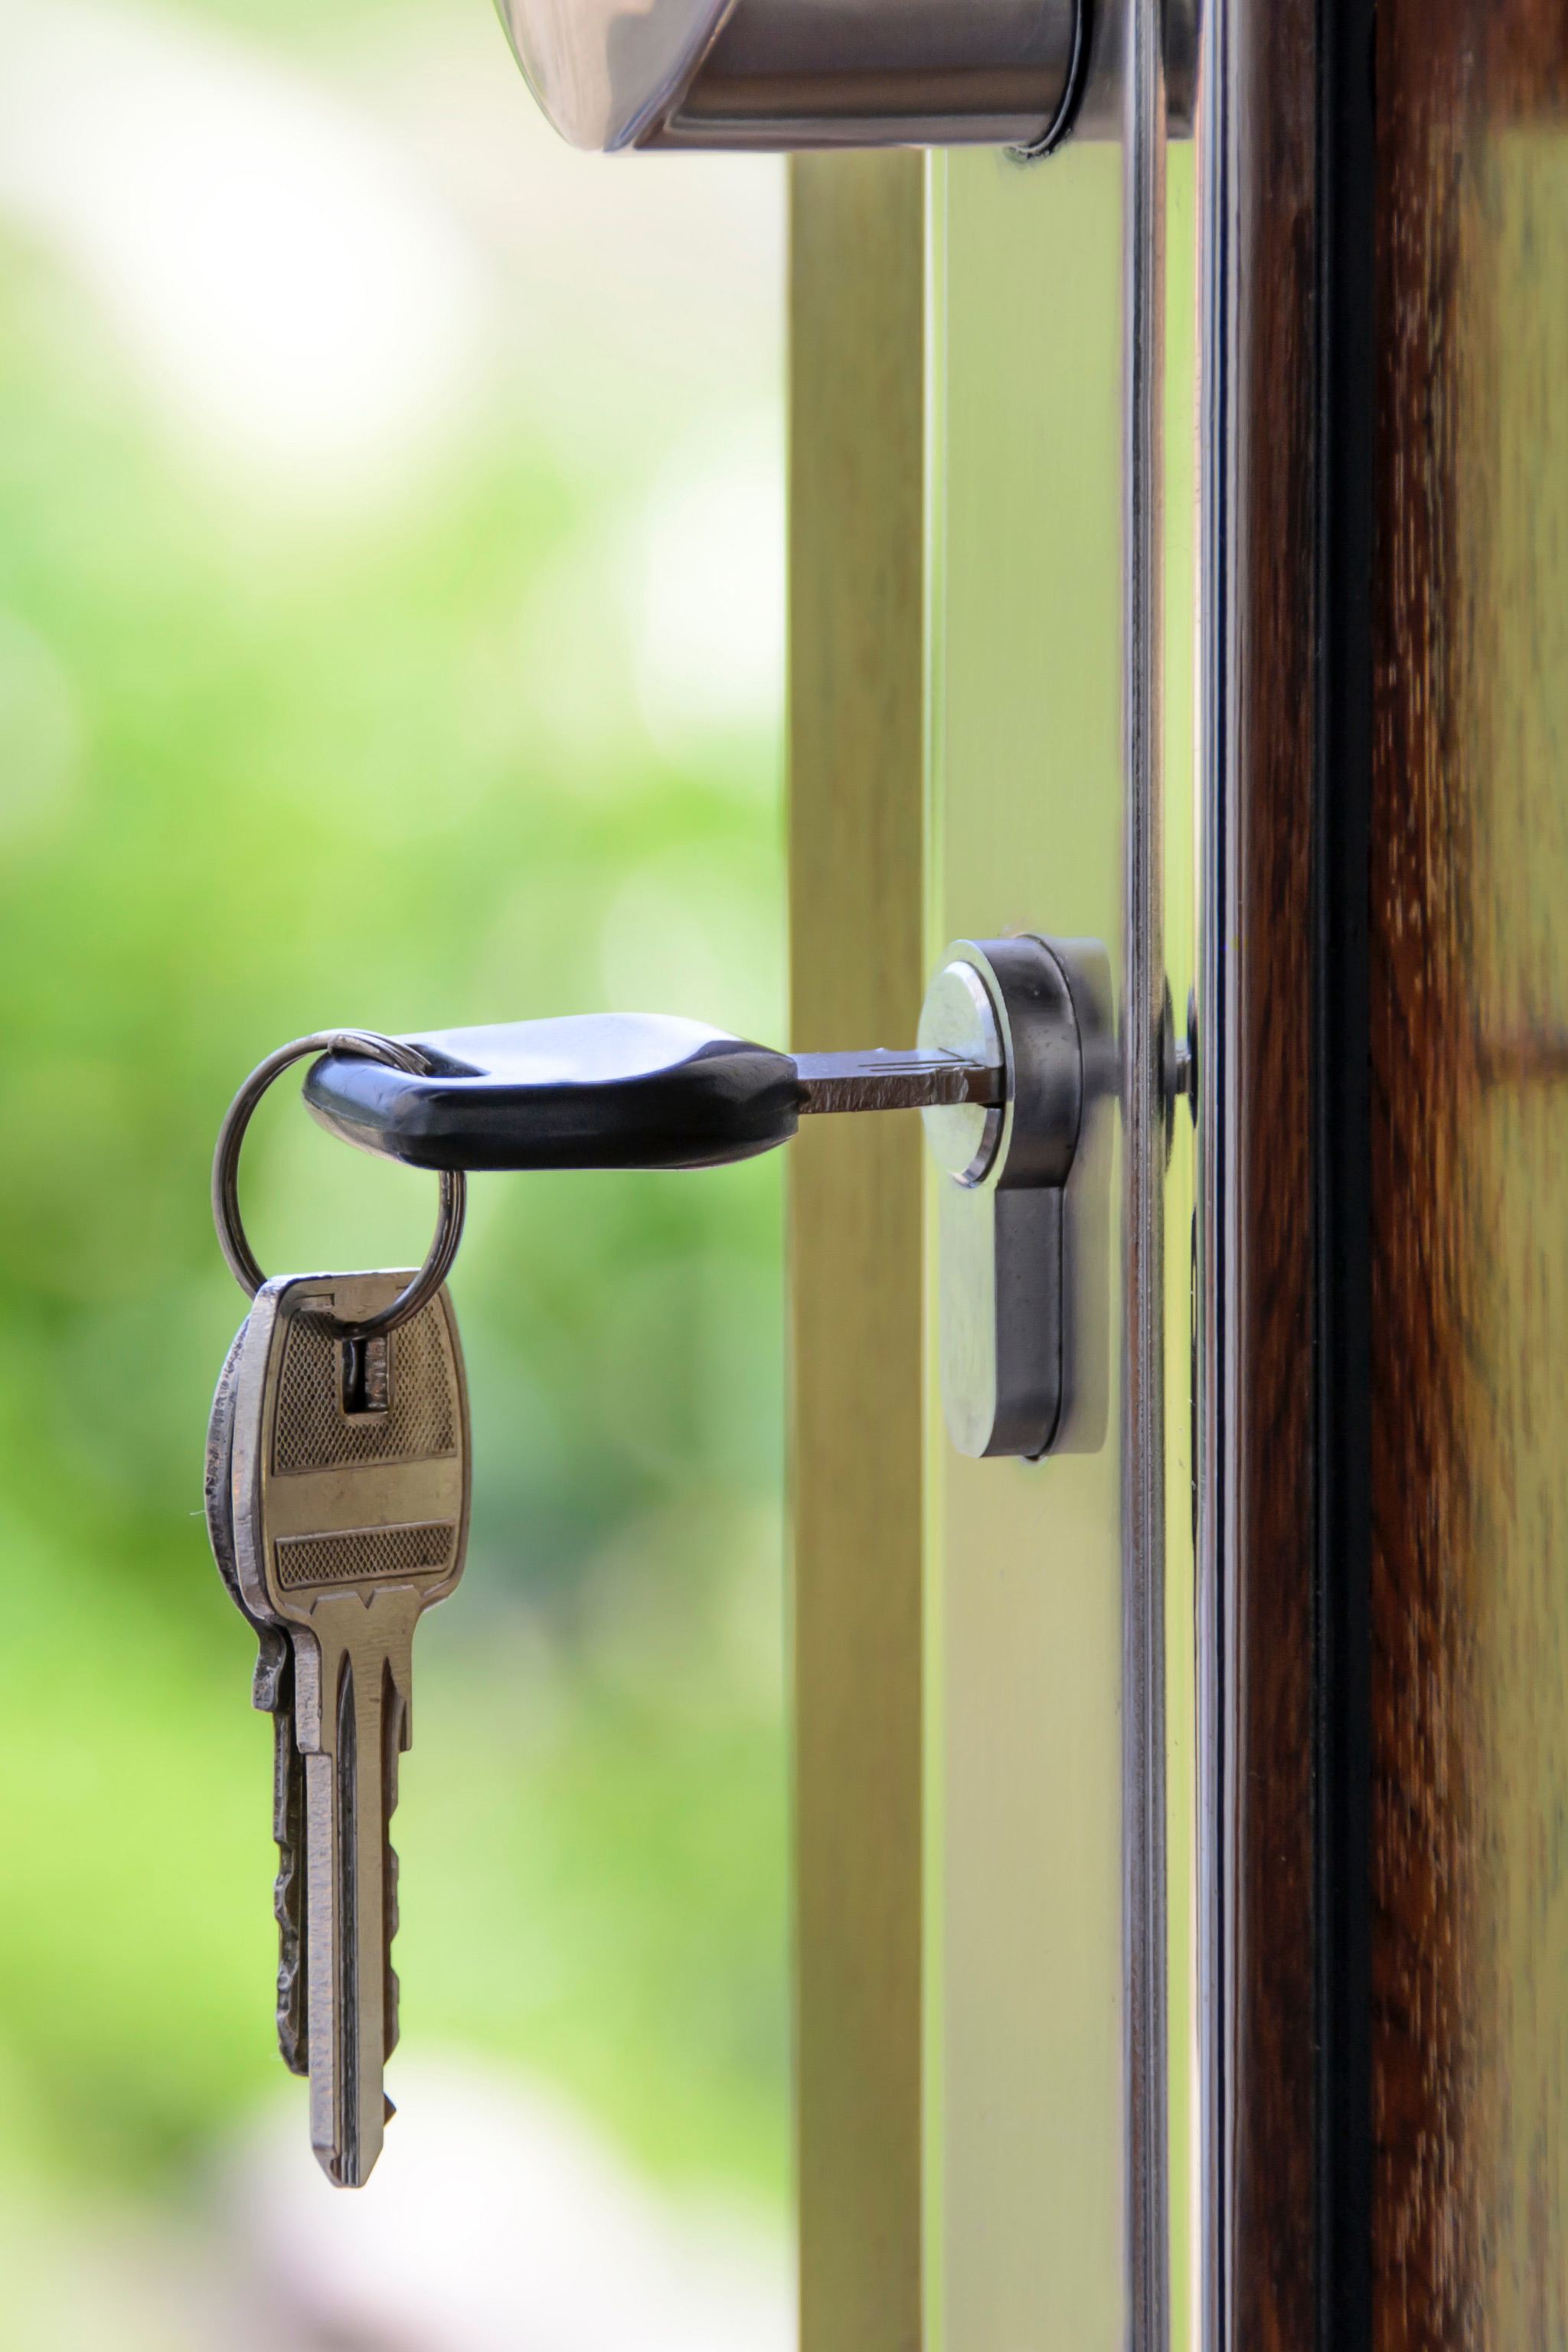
(269, 1683)
(291, 2043)
(289, 1888)
(394, 1737)
(272, 1691)
(292, 2046)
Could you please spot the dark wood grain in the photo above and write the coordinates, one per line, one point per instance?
(1464, 2099)
(1274, 1604)
(1471, 1155)
(1265, 961)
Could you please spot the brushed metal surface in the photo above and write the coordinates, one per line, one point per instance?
(802, 73)
(999, 1212)
(858, 73)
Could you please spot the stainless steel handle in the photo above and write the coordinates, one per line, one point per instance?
(805, 73)
(774, 74)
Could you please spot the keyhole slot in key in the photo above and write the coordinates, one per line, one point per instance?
(366, 1366)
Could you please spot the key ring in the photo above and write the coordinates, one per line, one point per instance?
(237, 1249)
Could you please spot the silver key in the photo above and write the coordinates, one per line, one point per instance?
(349, 1508)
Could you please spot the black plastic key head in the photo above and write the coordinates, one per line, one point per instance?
(590, 1090)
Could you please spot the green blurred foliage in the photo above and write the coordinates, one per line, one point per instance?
(257, 778)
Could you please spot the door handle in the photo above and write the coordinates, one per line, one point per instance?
(1013, 1068)
(773, 74)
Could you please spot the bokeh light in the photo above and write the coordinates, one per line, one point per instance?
(390, 628)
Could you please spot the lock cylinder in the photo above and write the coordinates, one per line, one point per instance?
(1023, 1236)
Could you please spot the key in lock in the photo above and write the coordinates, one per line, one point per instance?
(338, 1457)
(1015, 1072)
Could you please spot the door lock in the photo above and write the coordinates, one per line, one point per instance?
(1022, 1232)
(1013, 1069)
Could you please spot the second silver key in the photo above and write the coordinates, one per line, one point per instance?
(350, 1511)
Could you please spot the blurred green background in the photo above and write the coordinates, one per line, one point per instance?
(389, 620)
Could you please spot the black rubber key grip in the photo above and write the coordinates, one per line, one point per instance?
(590, 1090)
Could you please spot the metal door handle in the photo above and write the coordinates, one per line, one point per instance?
(805, 73)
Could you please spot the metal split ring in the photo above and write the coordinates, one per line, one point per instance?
(231, 1235)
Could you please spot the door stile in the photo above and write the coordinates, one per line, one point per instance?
(857, 889)
(1027, 2228)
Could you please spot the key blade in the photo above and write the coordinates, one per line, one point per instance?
(362, 1649)
(346, 1991)
(883, 1080)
